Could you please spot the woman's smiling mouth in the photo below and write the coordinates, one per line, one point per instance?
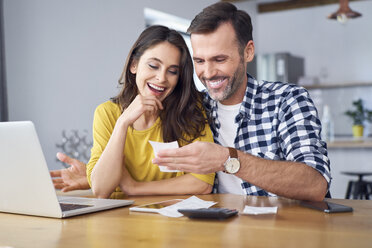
(155, 88)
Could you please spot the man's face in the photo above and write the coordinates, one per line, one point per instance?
(219, 65)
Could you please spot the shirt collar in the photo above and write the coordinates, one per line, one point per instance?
(246, 107)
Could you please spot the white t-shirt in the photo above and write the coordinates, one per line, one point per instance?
(228, 183)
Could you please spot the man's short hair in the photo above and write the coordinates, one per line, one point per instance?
(214, 15)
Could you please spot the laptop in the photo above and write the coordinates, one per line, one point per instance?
(25, 183)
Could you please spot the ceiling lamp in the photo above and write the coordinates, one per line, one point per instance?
(344, 12)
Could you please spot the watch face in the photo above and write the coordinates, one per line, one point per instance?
(232, 166)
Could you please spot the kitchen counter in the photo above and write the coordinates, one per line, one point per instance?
(350, 143)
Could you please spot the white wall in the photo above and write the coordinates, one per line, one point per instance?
(64, 57)
(342, 52)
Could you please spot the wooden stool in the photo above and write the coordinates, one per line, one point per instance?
(361, 189)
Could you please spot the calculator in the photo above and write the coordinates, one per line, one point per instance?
(209, 213)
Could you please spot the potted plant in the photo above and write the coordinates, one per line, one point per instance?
(359, 115)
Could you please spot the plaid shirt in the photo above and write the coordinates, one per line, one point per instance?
(276, 121)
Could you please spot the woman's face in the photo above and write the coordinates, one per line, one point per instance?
(157, 70)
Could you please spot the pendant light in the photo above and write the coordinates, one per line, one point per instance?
(344, 12)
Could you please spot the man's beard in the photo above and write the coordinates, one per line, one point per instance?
(232, 86)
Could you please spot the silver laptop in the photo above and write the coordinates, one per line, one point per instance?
(25, 183)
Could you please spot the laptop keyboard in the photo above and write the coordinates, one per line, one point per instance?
(67, 206)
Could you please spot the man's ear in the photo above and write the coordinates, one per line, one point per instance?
(133, 67)
(249, 51)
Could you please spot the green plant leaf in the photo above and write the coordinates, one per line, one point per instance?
(360, 114)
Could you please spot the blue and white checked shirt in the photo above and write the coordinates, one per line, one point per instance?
(276, 121)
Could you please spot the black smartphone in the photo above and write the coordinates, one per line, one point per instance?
(327, 207)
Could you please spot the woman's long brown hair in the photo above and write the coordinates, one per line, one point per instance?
(182, 117)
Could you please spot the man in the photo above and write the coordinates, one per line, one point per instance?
(273, 126)
(267, 135)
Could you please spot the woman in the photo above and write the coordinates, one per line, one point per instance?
(158, 102)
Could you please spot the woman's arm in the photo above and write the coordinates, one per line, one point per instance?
(107, 172)
(182, 185)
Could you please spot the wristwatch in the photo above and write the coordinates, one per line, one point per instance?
(232, 164)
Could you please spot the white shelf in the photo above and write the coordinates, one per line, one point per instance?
(337, 85)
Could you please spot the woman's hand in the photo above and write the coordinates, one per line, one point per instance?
(72, 178)
(141, 105)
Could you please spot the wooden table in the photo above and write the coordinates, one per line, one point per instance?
(292, 226)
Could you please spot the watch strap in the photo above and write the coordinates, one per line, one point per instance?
(233, 152)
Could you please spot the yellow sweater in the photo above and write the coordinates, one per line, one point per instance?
(138, 152)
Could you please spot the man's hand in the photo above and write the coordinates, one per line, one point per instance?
(72, 178)
(198, 157)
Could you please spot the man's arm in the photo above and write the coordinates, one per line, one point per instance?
(293, 180)
(284, 178)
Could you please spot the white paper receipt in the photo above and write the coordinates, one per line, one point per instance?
(259, 210)
(157, 146)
